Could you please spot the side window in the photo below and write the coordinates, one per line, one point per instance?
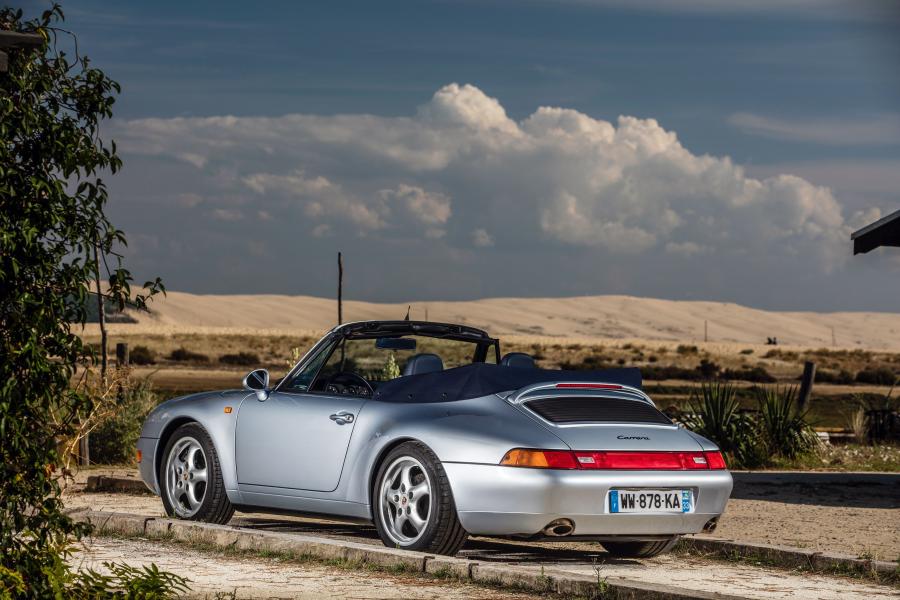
(302, 379)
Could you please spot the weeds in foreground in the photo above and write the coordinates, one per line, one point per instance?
(602, 582)
(126, 582)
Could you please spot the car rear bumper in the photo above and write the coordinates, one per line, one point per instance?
(498, 500)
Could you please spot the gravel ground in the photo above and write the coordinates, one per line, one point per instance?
(251, 577)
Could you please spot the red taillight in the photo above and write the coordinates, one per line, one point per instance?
(715, 460)
(589, 386)
(639, 461)
(614, 460)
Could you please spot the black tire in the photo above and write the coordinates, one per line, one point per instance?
(443, 533)
(640, 549)
(215, 506)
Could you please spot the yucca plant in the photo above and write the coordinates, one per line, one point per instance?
(783, 427)
(717, 416)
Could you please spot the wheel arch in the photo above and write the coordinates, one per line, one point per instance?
(164, 437)
(376, 466)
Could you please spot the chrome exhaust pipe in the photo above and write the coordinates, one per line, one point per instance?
(559, 528)
(711, 525)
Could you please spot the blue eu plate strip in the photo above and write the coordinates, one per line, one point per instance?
(614, 501)
(685, 501)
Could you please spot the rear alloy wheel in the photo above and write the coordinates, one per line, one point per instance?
(190, 478)
(412, 502)
(640, 549)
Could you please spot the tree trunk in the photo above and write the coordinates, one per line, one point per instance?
(101, 312)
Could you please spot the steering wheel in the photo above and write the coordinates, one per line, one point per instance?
(349, 380)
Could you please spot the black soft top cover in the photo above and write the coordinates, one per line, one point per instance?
(481, 379)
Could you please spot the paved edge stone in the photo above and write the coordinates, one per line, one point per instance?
(788, 556)
(507, 576)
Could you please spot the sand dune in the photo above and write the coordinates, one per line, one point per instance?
(582, 317)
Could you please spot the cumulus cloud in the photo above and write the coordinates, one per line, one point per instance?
(460, 171)
(428, 208)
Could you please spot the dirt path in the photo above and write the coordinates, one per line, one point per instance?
(251, 577)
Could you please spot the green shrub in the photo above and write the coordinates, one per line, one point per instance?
(876, 376)
(708, 369)
(243, 359)
(842, 377)
(716, 415)
(658, 373)
(752, 374)
(113, 441)
(783, 428)
(184, 355)
(142, 355)
(685, 349)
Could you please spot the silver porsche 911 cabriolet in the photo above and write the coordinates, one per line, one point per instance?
(423, 429)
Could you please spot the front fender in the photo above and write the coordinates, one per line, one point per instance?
(209, 410)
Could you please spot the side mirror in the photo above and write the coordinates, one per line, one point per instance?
(258, 381)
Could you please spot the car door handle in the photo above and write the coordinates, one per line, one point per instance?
(342, 417)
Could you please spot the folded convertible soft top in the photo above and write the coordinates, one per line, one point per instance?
(481, 379)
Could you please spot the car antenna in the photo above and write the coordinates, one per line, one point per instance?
(407, 312)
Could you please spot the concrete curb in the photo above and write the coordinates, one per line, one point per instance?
(102, 483)
(790, 557)
(305, 546)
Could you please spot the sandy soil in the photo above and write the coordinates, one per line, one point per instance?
(871, 532)
(252, 577)
(586, 317)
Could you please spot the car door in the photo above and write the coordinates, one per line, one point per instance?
(295, 440)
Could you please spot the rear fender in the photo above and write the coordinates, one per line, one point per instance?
(480, 430)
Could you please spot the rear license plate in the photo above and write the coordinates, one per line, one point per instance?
(649, 501)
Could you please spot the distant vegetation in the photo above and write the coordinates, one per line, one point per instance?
(184, 355)
(142, 355)
(243, 359)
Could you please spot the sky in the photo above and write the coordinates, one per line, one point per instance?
(691, 150)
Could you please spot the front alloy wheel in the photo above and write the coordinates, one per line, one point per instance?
(190, 479)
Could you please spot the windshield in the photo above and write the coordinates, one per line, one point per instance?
(377, 361)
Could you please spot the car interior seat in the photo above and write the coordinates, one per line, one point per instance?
(423, 363)
(519, 360)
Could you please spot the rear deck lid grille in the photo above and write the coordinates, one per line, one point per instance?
(597, 410)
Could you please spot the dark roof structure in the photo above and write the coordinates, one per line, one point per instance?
(376, 329)
(480, 379)
(11, 40)
(883, 232)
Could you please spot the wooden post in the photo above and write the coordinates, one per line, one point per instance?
(121, 355)
(705, 330)
(121, 363)
(340, 289)
(806, 384)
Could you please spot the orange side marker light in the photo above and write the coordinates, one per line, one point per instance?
(227, 410)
